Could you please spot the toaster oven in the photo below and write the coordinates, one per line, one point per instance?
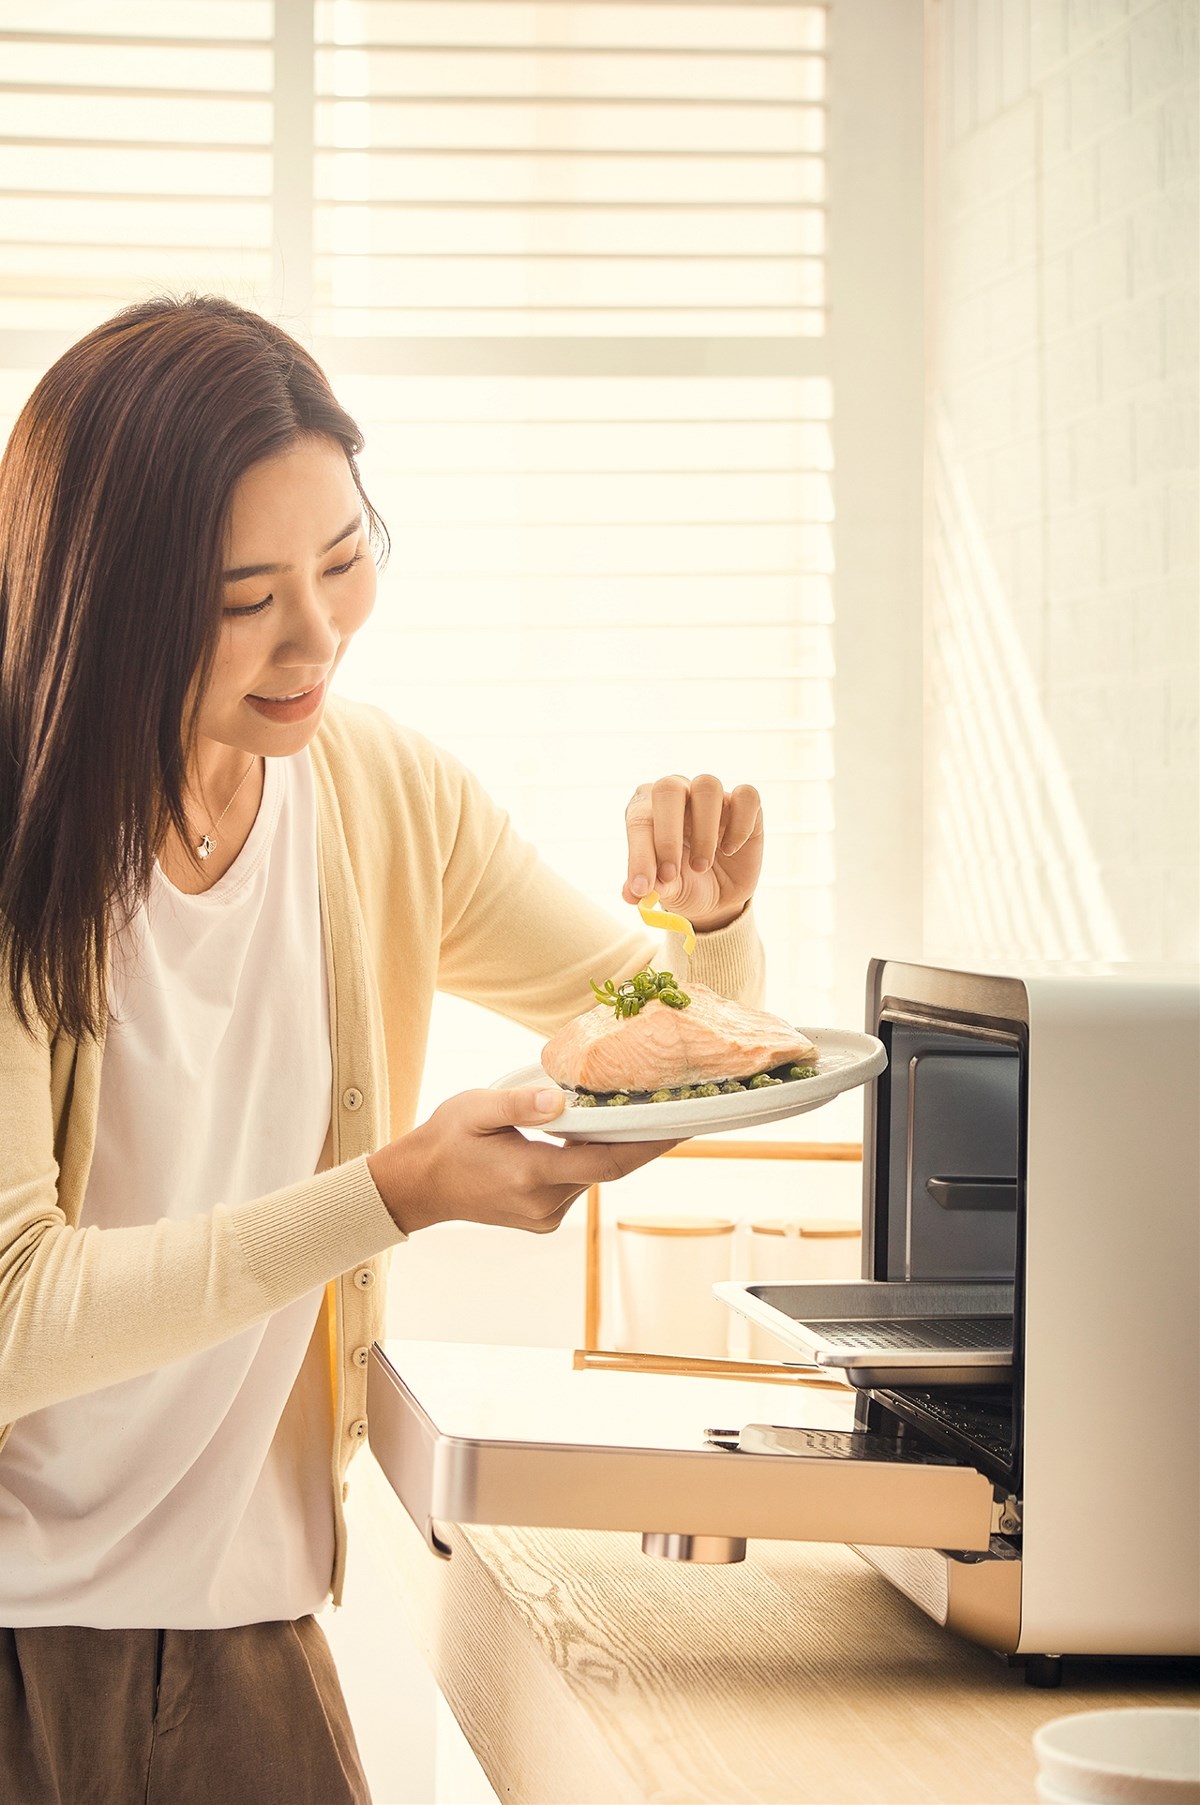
(1015, 1438)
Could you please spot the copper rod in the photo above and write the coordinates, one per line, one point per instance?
(703, 1148)
(684, 1366)
(591, 1298)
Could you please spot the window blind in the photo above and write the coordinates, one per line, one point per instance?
(135, 155)
(566, 263)
(594, 583)
(485, 167)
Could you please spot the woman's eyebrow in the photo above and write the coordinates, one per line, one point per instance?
(273, 570)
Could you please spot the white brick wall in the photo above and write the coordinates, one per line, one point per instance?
(1061, 806)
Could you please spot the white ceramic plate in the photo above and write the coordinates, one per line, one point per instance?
(844, 1061)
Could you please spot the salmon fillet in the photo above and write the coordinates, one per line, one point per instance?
(661, 1048)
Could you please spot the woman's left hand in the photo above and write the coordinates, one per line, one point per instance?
(699, 845)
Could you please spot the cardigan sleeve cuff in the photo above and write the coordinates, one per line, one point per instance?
(729, 960)
(310, 1232)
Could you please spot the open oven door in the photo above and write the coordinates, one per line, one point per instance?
(523, 1436)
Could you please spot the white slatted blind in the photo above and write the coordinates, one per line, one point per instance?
(611, 168)
(135, 155)
(594, 582)
(566, 264)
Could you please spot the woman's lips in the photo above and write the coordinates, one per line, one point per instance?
(297, 710)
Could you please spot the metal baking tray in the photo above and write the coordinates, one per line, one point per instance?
(880, 1333)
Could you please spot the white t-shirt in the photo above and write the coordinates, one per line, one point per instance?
(199, 1495)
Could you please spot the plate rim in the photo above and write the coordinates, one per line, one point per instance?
(577, 1122)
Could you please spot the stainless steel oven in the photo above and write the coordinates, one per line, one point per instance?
(1016, 1444)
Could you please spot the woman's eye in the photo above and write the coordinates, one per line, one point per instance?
(336, 570)
(339, 570)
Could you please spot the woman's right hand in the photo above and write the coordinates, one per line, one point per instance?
(470, 1163)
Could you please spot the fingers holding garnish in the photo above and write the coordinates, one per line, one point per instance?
(696, 844)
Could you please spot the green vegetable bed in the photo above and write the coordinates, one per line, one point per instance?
(780, 1074)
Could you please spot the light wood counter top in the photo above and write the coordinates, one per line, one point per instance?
(585, 1673)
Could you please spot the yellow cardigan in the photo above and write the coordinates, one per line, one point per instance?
(424, 886)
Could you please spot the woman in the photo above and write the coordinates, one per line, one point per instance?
(227, 900)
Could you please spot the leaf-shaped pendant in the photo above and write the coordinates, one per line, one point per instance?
(205, 847)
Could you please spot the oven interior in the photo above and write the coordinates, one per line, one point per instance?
(931, 1336)
(944, 1202)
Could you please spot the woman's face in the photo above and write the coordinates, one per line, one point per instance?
(299, 582)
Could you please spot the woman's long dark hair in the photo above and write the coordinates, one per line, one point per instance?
(115, 492)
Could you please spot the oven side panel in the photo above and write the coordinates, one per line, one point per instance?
(1111, 1551)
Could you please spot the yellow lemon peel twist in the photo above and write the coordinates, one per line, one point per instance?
(654, 917)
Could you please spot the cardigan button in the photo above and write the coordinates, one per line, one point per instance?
(358, 1428)
(364, 1278)
(360, 1356)
(352, 1098)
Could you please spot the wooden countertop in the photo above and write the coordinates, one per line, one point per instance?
(585, 1673)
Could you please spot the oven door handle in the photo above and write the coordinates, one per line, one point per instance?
(973, 1193)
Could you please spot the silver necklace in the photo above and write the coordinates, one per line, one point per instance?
(206, 844)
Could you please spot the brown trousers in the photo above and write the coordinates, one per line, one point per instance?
(246, 1716)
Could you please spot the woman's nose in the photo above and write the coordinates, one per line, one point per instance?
(314, 634)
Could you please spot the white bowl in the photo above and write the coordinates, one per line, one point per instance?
(1140, 1756)
(1050, 1795)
